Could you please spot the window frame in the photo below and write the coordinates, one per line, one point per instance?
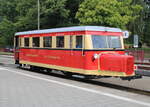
(25, 41)
(76, 42)
(50, 42)
(35, 44)
(57, 43)
(120, 38)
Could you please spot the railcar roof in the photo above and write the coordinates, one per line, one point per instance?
(67, 29)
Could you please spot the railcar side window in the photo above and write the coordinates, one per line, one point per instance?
(106, 41)
(78, 41)
(60, 41)
(114, 41)
(47, 41)
(36, 42)
(99, 41)
(26, 42)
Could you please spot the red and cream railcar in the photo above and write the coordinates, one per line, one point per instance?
(87, 50)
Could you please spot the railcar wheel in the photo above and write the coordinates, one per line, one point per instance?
(34, 68)
(31, 68)
(68, 74)
(20, 66)
(47, 71)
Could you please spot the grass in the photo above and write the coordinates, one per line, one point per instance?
(147, 51)
(147, 55)
(6, 53)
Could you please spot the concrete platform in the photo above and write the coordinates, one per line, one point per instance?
(19, 88)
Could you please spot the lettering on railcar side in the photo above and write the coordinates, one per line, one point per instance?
(31, 55)
(52, 57)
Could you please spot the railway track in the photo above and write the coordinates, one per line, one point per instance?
(143, 68)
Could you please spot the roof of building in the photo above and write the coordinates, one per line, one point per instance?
(67, 29)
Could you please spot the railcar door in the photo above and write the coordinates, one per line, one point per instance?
(16, 51)
(77, 57)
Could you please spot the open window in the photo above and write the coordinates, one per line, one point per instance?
(47, 41)
(79, 40)
(26, 42)
(36, 42)
(60, 41)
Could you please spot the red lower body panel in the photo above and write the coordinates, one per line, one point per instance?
(79, 60)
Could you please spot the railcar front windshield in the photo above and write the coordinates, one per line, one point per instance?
(106, 42)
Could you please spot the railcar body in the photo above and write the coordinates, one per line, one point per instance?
(86, 50)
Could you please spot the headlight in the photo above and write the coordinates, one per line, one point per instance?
(96, 56)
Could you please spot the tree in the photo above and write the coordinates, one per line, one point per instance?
(136, 27)
(73, 6)
(8, 14)
(21, 15)
(8, 9)
(108, 13)
(146, 38)
(7, 30)
(54, 13)
(140, 25)
(27, 15)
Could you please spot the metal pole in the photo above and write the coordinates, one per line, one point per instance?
(38, 15)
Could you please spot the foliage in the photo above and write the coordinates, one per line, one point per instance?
(137, 26)
(146, 34)
(27, 13)
(53, 13)
(21, 15)
(7, 31)
(73, 6)
(146, 38)
(8, 9)
(108, 13)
